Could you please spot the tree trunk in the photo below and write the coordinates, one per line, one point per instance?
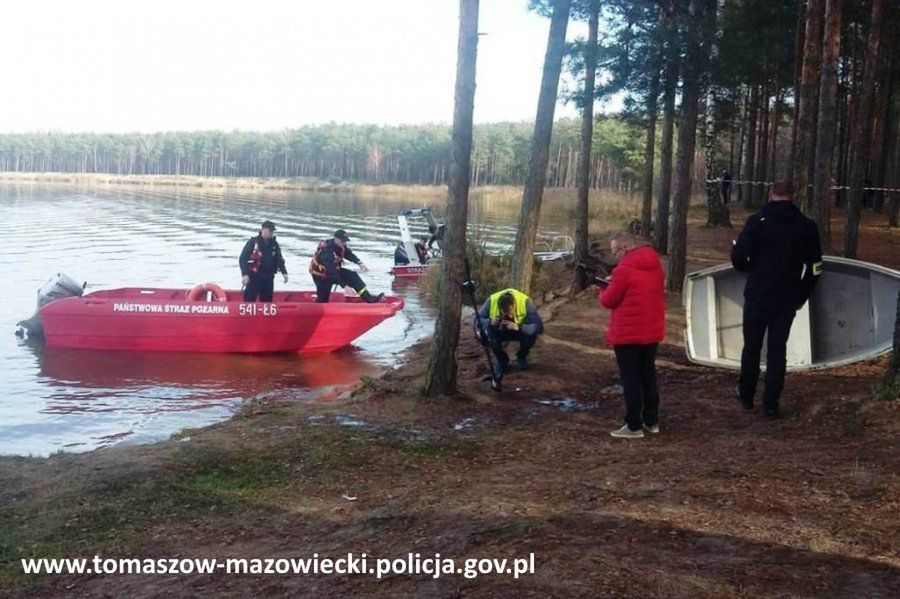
(806, 117)
(558, 159)
(861, 132)
(670, 86)
(892, 376)
(825, 136)
(523, 253)
(762, 157)
(650, 150)
(587, 137)
(717, 211)
(772, 167)
(880, 139)
(739, 165)
(694, 65)
(440, 378)
(799, 43)
(894, 205)
(750, 159)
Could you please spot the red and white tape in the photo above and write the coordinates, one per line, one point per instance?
(770, 183)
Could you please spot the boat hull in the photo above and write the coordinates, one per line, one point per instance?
(850, 316)
(409, 270)
(161, 320)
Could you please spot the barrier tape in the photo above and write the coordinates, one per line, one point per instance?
(770, 183)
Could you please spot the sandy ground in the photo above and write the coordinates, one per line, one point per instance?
(722, 503)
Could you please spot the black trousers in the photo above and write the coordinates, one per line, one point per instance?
(346, 277)
(637, 369)
(500, 336)
(757, 321)
(261, 286)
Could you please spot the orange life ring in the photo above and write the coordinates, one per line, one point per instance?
(199, 292)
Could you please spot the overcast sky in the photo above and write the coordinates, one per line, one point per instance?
(94, 65)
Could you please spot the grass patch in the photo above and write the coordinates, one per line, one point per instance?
(436, 450)
(82, 523)
(214, 480)
(222, 479)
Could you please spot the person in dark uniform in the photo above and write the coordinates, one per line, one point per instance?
(726, 186)
(868, 194)
(259, 261)
(400, 256)
(327, 270)
(422, 251)
(780, 250)
(437, 235)
(402, 259)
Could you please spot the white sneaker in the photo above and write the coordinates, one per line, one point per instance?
(627, 433)
(651, 429)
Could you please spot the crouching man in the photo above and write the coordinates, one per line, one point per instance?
(510, 315)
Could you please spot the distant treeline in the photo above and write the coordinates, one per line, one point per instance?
(366, 153)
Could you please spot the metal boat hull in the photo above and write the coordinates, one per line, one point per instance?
(850, 316)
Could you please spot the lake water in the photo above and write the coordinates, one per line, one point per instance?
(77, 400)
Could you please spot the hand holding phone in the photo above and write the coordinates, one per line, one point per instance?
(510, 325)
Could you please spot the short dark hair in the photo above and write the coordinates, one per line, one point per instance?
(506, 300)
(783, 188)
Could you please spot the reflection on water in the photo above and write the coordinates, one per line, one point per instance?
(78, 400)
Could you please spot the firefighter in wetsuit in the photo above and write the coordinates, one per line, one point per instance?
(326, 269)
(781, 253)
(260, 259)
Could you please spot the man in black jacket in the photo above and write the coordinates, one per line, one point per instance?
(326, 268)
(780, 250)
(260, 259)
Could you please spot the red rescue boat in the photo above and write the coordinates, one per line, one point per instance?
(153, 319)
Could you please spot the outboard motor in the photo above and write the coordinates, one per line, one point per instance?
(58, 287)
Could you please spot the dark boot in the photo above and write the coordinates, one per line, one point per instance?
(747, 404)
(369, 298)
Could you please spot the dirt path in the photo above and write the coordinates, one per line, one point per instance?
(720, 504)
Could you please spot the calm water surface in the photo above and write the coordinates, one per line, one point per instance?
(77, 400)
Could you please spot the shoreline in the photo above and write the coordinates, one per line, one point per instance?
(611, 199)
(215, 183)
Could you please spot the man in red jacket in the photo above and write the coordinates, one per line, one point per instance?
(637, 325)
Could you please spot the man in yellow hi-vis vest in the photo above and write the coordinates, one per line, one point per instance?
(510, 315)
